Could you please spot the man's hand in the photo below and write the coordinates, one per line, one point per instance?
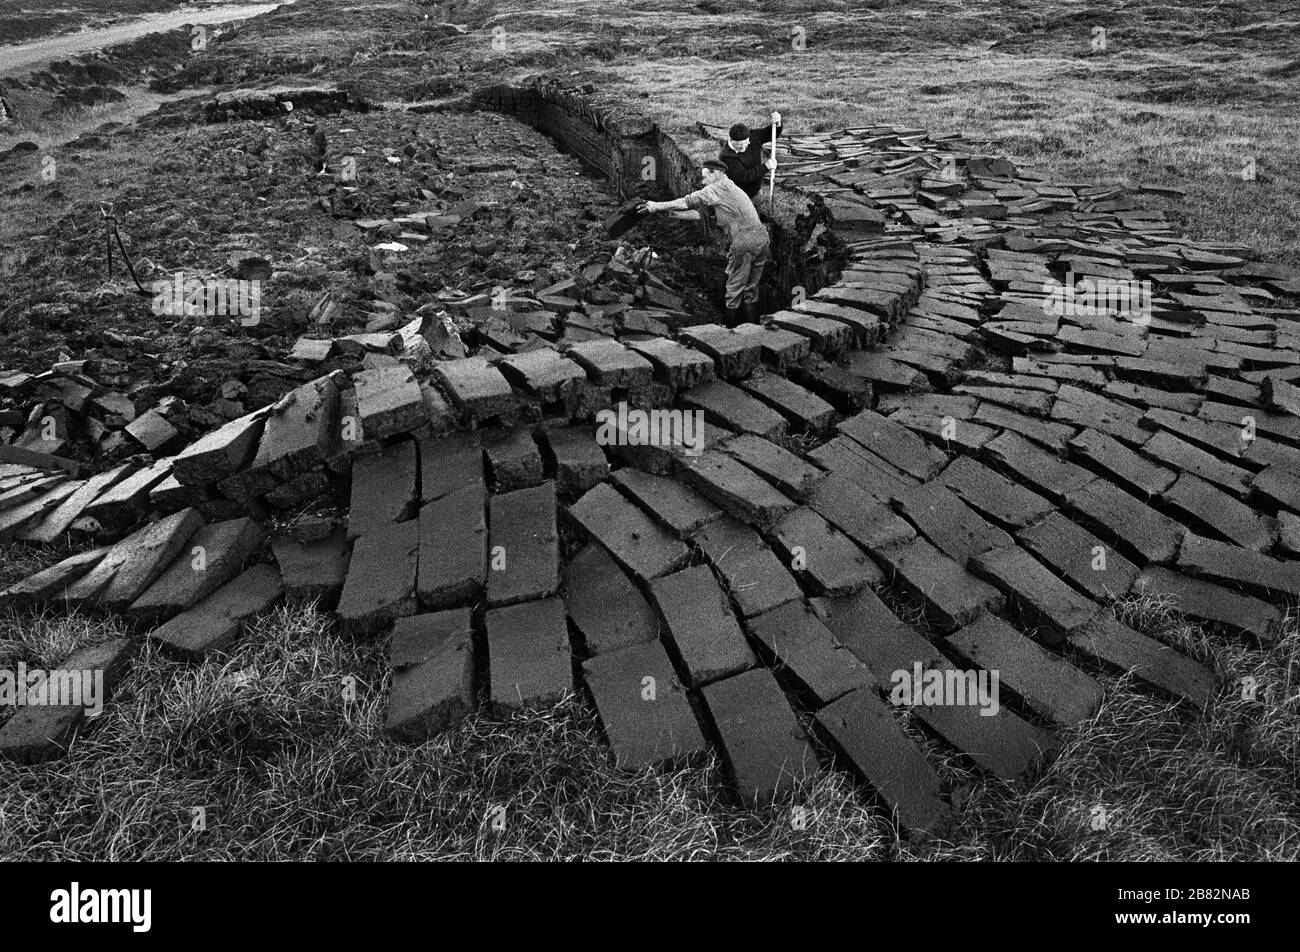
(769, 163)
(776, 118)
(646, 208)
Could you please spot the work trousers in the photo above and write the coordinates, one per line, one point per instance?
(745, 261)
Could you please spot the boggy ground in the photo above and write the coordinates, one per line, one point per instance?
(1179, 97)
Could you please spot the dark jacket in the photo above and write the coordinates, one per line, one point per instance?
(746, 168)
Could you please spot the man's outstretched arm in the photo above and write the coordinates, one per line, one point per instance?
(687, 206)
(675, 205)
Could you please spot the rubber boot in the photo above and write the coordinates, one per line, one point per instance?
(733, 316)
(749, 312)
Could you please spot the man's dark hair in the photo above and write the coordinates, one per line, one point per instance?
(715, 164)
(738, 132)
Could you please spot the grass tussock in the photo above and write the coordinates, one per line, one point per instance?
(279, 744)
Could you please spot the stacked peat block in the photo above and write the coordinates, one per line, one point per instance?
(64, 415)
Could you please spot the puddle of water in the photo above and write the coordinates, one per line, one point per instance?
(25, 56)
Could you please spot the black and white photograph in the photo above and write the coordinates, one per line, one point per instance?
(651, 431)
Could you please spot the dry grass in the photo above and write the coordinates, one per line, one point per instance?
(286, 767)
(1074, 122)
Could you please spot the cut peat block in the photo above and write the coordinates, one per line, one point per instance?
(384, 489)
(1116, 517)
(1121, 464)
(867, 733)
(826, 336)
(44, 732)
(956, 529)
(783, 469)
(1205, 505)
(1043, 471)
(223, 452)
(1278, 485)
(951, 595)
(831, 564)
(513, 458)
(701, 626)
(389, 401)
(215, 622)
(453, 548)
(605, 606)
(755, 578)
(301, 430)
(380, 586)
(806, 649)
(801, 407)
(1221, 562)
(136, 561)
(1114, 645)
(859, 515)
(1001, 744)
(1079, 556)
(876, 636)
(734, 355)
(58, 519)
(634, 539)
(529, 659)
(1046, 683)
(680, 508)
(28, 514)
(765, 749)
(778, 348)
(1205, 601)
(610, 364)
(1042, 598)
(894, 443)
(432, 659)
(733, 408)
(213, 555)
(643, 708)
(477, 388)
(49, 584)
(735, 487)
(523, 554)
(547, 376)
(1005, 502)
(450, 464)
(573, 459)
(315, 570)
(675, 363)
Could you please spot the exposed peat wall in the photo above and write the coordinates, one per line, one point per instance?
(640, 160)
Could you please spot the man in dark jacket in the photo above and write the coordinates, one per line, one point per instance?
(743, 155)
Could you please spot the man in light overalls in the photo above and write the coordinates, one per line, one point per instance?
(749, 248)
